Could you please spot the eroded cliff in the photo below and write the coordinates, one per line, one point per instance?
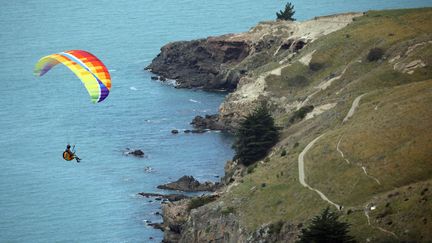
(352, 94)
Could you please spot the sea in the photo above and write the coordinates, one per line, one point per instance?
(46, 199)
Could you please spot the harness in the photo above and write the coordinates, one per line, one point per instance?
(68, 155)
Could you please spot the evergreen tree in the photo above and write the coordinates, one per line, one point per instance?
(287, 14)
(326, 228)
(256, 135)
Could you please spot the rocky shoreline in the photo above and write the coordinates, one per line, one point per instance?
(222, 63)
(205, 63)
(306, 72)
(189, 184)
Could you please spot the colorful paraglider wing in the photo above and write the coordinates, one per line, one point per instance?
(91, 71)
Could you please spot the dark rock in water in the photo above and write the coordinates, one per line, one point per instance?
(154, 77)
(208, 122)
(158, 226)
(158, 199)
(136, 152)
(198, 131)
(206, 63)
(187, 131)
(189, 184)
(162, 78)
(170, 197)
(174, 131)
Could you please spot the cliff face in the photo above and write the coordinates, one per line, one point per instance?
(353, 97)
(205, 63)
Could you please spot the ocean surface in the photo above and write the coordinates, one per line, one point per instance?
(46, 199)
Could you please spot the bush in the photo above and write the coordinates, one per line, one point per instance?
(287, 14)
(301, 113)
(197, 202)
(326, 228)
(298, 81)
(256, 135)
(283, 153)
(227, 211)
(251, 168)
(375, 54)
(276, 228)
(315, 66)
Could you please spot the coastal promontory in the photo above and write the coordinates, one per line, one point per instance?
(351, 95)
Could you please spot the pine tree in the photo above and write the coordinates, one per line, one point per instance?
(256, 135)
(287, 14)
(326, 228)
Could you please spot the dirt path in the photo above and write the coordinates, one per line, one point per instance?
(366, 212)
(340, 151)
(353, 108)
(361, 165)
(302, 174)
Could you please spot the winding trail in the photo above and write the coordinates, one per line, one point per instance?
(366, 212)
(302, 174)
(372, 177)
(350, 113)
(353, 108)
(348, 162)
(340, 151)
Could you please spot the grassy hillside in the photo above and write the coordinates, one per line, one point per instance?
(385, 172)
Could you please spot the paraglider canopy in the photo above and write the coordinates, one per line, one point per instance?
(87, 67)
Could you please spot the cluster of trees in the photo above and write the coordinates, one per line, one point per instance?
(256, 135)
(326, 228)
(287, 13)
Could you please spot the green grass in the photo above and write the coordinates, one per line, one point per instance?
(197, 202)
(394, 142)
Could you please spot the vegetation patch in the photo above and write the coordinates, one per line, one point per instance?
(287, 13)
(197, 202)
(256, 135)
(375, 54)
(300, 113)
(315, 66)
(283, 153)
(297, 81)
(228, 210)
(276, 228)
(326, 228)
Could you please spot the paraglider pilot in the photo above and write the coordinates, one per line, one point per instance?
(69, 155)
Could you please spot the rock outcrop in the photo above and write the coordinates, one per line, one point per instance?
(210, 122)
(205, 63)
(189, 184)
(228, 61)
(159, 197)
(135, 152)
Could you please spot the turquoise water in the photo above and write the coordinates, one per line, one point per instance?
(44, 198)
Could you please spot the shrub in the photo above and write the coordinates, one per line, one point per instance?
(375, 54)
(326, 228)
(276, 228)
(298, 81)
(287, 14)
(283, 153)
(256, 135)
(251, 168)
(301, 113)
(197, 202)
(226, 211)
(315, 66)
